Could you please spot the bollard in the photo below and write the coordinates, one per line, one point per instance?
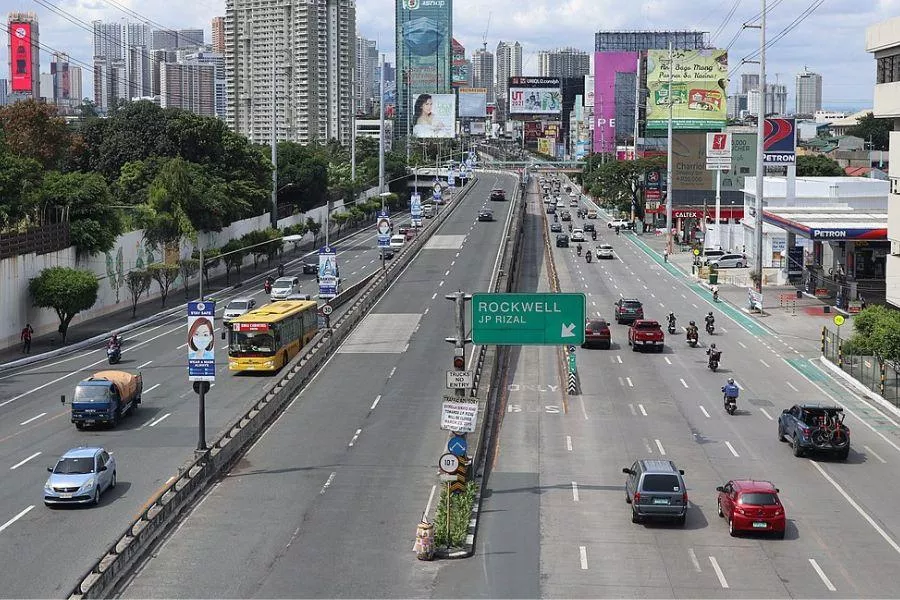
(425, 541)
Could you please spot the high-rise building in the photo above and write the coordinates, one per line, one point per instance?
(749, 81)
(66, 81)
(75, 83)
(509, 64)
(24, 56)
(4, 92)
(311, 100)
(635, 41)
(217, 61)
(565, 62)
(121, 50)
(776, 100)
(189, 87)
(483, 72)
(365, 81)
(170, 39)
(809, 92)
(109, 82)
(218, 35)
(47, 88)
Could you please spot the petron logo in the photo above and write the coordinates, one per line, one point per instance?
(829, 233)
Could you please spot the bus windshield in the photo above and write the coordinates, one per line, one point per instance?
(252, 343)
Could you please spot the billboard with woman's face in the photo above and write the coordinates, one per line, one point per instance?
(434, 116)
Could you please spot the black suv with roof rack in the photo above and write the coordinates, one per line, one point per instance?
(628, 310)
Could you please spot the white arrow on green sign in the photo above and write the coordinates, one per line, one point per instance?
(527, 319)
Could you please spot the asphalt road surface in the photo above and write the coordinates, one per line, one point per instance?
(44, 551)
(326, 503)
(842, 533)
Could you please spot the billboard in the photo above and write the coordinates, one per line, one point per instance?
(434, 116)
(459, 69)
(606, 66)
(689, 162)
(424, 55)
(535, 96)
(589, 90)
(329, 276)
(699, 82)
(20, 47)
(546, 146)
(743, 162)
(780, 142)
(476, 128)
(201, 341)
(472, 102)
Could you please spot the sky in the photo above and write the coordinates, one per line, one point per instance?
(830, 41)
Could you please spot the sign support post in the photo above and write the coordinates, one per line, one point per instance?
(718, 208)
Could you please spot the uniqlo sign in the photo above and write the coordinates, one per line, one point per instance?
(718, 145)
(20, 59)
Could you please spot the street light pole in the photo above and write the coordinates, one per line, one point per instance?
(381, 132)
(669, 246)
(274, 133)
(760, 141)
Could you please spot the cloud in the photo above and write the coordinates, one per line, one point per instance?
(831, 41)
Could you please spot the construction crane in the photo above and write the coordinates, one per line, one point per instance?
(484, 37)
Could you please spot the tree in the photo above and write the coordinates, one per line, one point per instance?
(876, 131)
(618, 182)
(817, 165)
(94, 223)
(67, 291)
(307, 170)
(233, 254)
(138, 282)
(212, 258)
(314, 227)
(164, 275)
(167, 222)
(33, 130)
(188, 267)
(255, 241)
(20, 180)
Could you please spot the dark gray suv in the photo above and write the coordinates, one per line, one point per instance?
(655, 489)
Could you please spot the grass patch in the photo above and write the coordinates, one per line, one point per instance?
(460, 513)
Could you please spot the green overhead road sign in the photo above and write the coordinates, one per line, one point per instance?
(525, 319)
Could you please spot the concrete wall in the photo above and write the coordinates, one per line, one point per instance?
(129, 252)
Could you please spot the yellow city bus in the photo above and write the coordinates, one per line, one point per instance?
(266, 338)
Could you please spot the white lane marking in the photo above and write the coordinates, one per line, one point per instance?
(618, 359)
(374, 404)
(668, 362)
(694, 559)
(768, 416)
(858, 508)
(355, 437)
(151, 388)
(22, 462)
(718, 570)
(643, 411)
(645, 287)
(32, 419)
(16, 518)
(593, 303)
(575, 491)
(434, 295)
(662, 305)
(427, 308)
(653, 295)
(145, 364)
(452, 262)
(224, 347)
(683, 382)
(791, 385)
(181, 346)
(628, 379)
(159, 420)
(447, 272)
(457, 255)
(869, 450)
(741, 344)
(328, 483)
(765, 364)
(694, 305)
(733, 451)
(146, 423)
(683, 296)
(569, 443)
(723, 330)
(391, 374)
(703, 410)
(441, 284)
(406, 348)
(582, 551)
(822, 575)
(660, 446)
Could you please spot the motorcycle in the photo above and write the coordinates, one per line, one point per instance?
(710, 327)
(594, 235)
(267, 286)
(578, 249)
(672, 327)
(113, 354)
(588, 257)
(281, 270)
(692, 338)
(715, 295)
(617, 231)
(730, 404)
(713, 363)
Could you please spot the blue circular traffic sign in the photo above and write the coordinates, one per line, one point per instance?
(457, 445)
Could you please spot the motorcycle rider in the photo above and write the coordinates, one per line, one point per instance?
(578, 249)
(281, 269)
(714, 354)
(671, 319)
(267, 285)
(692, 332)
(715, 293)
(114, 343)
(594, 235)
(710, 321)
(617, 230)
(588, 256)
(731, 391)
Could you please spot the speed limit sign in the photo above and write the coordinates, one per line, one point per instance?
(326, 310)
(449, 463)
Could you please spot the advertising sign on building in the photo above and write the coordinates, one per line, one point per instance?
(328, 273)
(476, 128)
(743, 162)
(780, 142)
(434, 116)
(606, 66)
(423, 47)
(415, 209)
(689, 162)
(472, 102)
(459, 71)
(535, 95)
(699, 82)
(20, 48)
(201, 342)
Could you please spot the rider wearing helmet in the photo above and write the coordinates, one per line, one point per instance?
(730, 390)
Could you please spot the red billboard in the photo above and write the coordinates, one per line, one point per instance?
(20, 47)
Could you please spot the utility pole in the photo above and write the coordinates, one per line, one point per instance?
(353, 129)
(637, 103)
(274, 218)
(760, 146)
(381, 131)
(669, 245)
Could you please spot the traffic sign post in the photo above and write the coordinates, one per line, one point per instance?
(458, 445)
(526, 319)
(449, 463)
(459, 380)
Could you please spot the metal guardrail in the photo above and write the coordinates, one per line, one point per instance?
(165, 507)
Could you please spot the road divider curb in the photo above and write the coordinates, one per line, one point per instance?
(174, 499)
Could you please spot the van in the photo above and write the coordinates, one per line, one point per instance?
(428, 211)
(655, 489)
(397, 241)
(284, 287)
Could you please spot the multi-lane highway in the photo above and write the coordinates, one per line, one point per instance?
(44, 551)
(327, 502)
(554, 522)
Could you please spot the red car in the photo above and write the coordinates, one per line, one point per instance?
(596, 333)
(749, 505)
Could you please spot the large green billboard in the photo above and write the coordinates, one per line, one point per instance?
(424, 30)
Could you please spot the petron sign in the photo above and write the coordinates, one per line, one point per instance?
(780, 141)
(523, 319)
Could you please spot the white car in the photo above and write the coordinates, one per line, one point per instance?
(620, 223)
(237, 307)
(605, 251)
(573, 203)
(284, 287)
(397, 241)
(577, 235)
(729, 261)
